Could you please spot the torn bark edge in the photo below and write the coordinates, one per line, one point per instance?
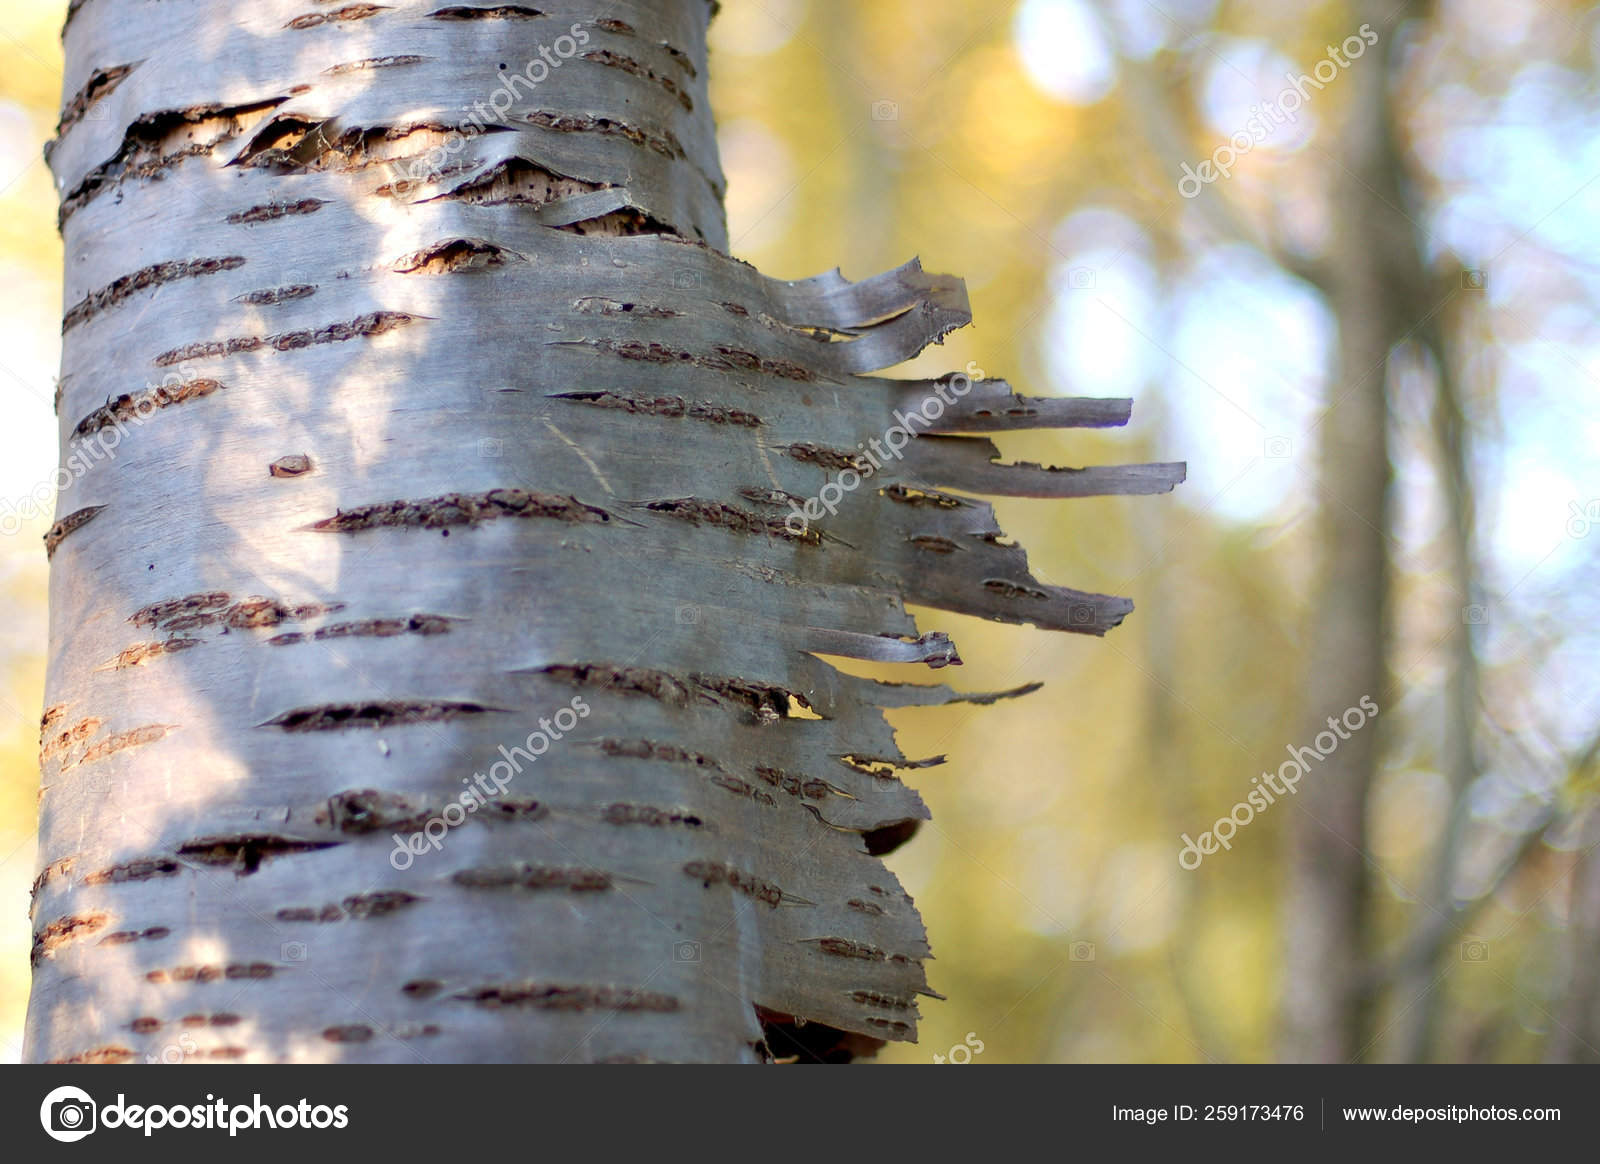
(786, 1038)
(935, 648)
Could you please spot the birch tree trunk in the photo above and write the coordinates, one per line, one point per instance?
(1378, 291)
(435, 618)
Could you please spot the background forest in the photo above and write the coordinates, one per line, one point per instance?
(1066, 158)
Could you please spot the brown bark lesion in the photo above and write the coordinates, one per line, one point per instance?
(455, 509)
(99, 85)
(156, 275)
(368, 326)
(139, 405)
(157, 143)
(375, 714)
(66, 526)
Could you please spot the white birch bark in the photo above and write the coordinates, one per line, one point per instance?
(452, 451)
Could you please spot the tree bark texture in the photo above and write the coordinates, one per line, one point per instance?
(453, 463)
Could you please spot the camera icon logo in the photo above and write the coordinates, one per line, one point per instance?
(688, 614)
(1081, 952)
(885, 111)
(962, 1052)
(491, 447)
(1475, 951)
(686, 280)
(686, 952)
(68, 1114)
(1474, 280)
(292, 952)
(1081, 279)
(1475, 615)
(174, 1053)
(1277, 448)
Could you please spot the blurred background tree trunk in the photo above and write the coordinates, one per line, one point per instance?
(1374, 290)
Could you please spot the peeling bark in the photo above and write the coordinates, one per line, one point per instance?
(536, 323)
